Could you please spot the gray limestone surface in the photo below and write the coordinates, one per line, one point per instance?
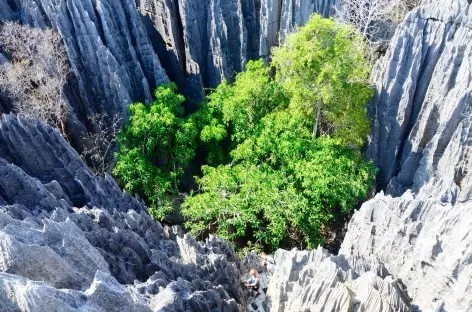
(317, 281)
(417, 230)
(121, 50)
(79, 243)
(71, 241)
(420, 225)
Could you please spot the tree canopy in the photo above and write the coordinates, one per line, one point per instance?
(294, 163)
(155, 147)
(281, 143)
(324, 67)
(281, 185)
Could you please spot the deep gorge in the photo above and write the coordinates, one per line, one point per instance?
(72, 241)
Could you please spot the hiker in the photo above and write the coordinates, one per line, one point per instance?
(257, 295)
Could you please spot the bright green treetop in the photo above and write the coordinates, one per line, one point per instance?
(282, 150)
(281, 185)
(155, 147)
(252, 95)
(323, 65)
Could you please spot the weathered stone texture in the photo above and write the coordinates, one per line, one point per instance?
(116, 48)
(423, 85)
(318, 281)
(297, 12)
(108, 48)
(55, 256)
(421, 141)
(419, 228)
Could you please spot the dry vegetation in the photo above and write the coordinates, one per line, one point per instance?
(375, 19)
(103, 141)
(33, 79)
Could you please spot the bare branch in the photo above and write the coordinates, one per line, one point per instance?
(400, 9)
(103, 140)
(33, 80)
(368, 16)
(375, 19)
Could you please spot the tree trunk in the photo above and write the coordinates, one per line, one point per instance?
(317, 118)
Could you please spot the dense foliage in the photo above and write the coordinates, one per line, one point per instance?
(282, 150)
(324, 67)
(155, 147)
(281, 185)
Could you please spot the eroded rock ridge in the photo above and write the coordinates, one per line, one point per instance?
(411, 246)
(71, 241)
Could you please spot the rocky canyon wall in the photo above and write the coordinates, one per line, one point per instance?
(417, 231)
(71, 241)
(205, 42)
(121, 50)
(421, 227)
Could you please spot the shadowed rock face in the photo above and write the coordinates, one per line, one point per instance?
(121, 50)
(207, 41)
(107, 255)
(108, 47)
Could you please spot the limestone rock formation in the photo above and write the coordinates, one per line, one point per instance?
(204, 42)
(107, 255)
(104, 295)
(417, 231)
(421, 227)
(317, 281)
(71, 241)
(121, 50)
(108, 48)
(297, 12)
(423, 85)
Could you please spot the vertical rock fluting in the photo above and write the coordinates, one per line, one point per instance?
(203, 42)
(423, 85)
(216, 39)
(71, 241)
(164, 27)
(116, 48)
(270, 24)
(208, 41)
(108, 48)
(317, 281)
(297, 12)
(422, 143)
(221, 36)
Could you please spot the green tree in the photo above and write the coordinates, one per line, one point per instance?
(281, 184)
(253, 94)
(295, 160)
(212, 133)
(155, 147)
(283, 150)
(324, 66)
(230, 113)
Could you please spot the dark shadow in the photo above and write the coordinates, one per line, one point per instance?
(189, 84)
